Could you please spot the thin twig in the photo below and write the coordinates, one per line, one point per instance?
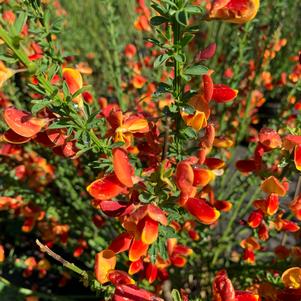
(297, 192)
(65, 263)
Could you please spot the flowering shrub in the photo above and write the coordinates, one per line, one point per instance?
(161, 168)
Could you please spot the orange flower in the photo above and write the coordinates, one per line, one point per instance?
(291, 278)
(74, 81)
(147, 218)
(272, 185)
(105, 188)
(5, 73)
(105, 261)
(295, 206)
(204, 213)
(223, 289)
(125, 126)
(234, 11)
(122, 167)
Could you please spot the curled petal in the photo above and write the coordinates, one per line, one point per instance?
(207, 87)
(133, 293)
(246, 165)
(202, 211)
(136, 124)
(151, 272)
(297, 156)
(246, 296)
(214, 163)
(222, 287)
(73, 79)
(272, 204)
(184, 177)
(197, 120)
(224, 206)
(269, 138)
(295, 206)
(11, 137)
(137, 250)
(113, 208)
(178, 260)
(121, 243)
(223, 93)
(136, 266)
(207, 53)
(105, 188)
(255, 219)
(234, 11)
(105, 261)
(122, 167)
(120, 277)
(202, 176)
(272, 185)
(223, 142)
(291, 278)
(150, 229)
(23, 123)
(250, 243)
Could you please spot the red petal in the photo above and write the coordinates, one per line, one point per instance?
(137, 250)
(119, 277)
(104, 262)
(151, 272)
(115, 208)
(272, 204)
(297, 157)
(105, 188)
(23, 123)
(12, 137)
(184, 177)
(136, 267)
(223, 93)
(246, 165)
(122, 167)
(223, 288)
(208, 87)
(202, 211)
(269, 138)
(255, 219)
(207, 53)
(214, 163)
(272, 185)
(202, 176)
(246, 296)
(150, 228)
(121, 243)
(73, 79)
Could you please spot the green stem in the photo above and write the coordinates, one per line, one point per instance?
(115, 56)
(28, 292)
(17, 50)
(228, 229)
(177, 66)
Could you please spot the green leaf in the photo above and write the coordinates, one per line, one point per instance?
(186, 39)
(196, 70)
(193, 9)
(160, 60)
(181, 17)
(158, 20)
(179, 58)
(176, 296)
(159, 8)
(81, 90)
(21, 20)
(38, 106)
